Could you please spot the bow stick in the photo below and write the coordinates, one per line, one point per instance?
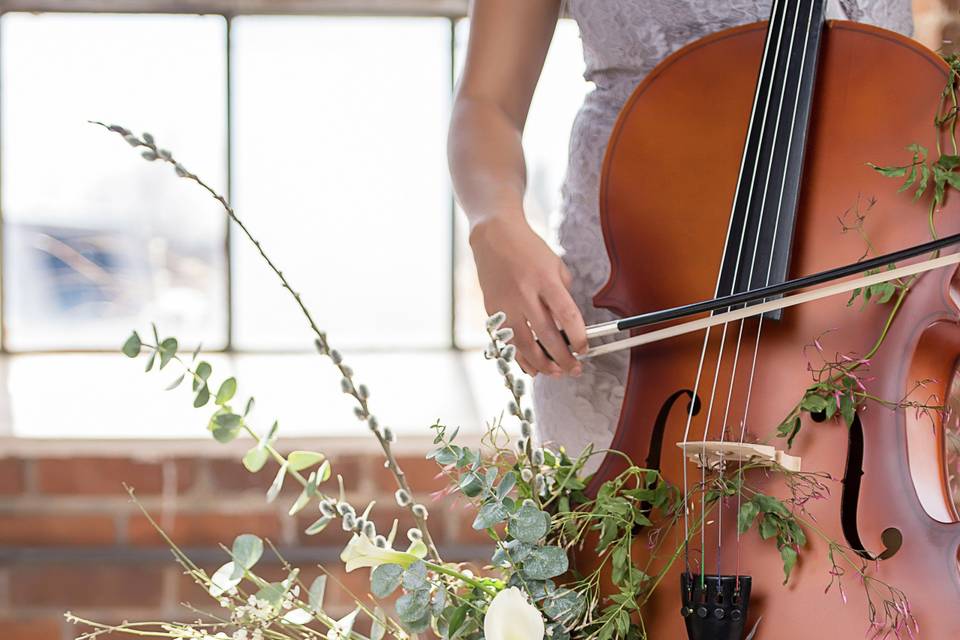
(755, 296)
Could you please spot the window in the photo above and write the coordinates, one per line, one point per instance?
(95, 242)
(327, 133)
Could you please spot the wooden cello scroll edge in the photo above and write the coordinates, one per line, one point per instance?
(714, 454)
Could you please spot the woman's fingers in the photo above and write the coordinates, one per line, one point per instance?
(550, 337)
(525, 365)
(528, 348)
(564, 310)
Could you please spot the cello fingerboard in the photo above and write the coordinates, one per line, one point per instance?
(760, 235)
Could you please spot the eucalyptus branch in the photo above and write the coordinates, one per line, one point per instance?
(358, 391)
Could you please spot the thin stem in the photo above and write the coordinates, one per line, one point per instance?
(157, 154)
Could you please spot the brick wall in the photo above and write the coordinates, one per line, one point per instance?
(70, 539)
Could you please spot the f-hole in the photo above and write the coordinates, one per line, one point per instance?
(659, 428)
(891, 537)
(660, 425)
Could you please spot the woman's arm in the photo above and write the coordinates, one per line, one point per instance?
(519, 274)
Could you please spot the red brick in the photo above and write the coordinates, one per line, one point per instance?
(203, 529)
(30, 629)
(230, 475)
(56, 529)
(343, 587)
(424, 476)
(106, 476)
(11, 476)
(65, 587)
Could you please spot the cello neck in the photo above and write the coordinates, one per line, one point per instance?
(760, 234)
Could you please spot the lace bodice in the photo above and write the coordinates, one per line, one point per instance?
(622, 41)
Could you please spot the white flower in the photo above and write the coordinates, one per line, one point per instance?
(511, 617)
(341, 628)
(361, 551)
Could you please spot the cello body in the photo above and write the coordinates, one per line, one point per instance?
(668, 179)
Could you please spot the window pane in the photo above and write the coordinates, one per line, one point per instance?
(341, 170)
(545, 140)
(96, 240)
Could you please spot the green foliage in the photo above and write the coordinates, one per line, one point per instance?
(880, 293)
(385, 579)
(528, 523)
(315, 594)
(131, 348)
(247, 549)
(775, 521)
(300, 460)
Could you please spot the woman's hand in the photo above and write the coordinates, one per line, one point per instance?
(522, 277)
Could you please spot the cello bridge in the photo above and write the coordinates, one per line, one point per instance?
(715, 454)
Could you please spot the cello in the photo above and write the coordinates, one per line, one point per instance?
(741, 163)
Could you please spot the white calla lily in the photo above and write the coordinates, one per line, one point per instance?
(510, 616)
(361, 551)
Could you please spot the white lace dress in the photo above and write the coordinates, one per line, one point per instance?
(622, 41)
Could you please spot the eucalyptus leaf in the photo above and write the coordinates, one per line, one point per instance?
(272, 593)
(227, 390)
(377, 628)
(203, 397)
(274, 490)
(564, 605)
(419, 626)
(298, 616)
(225, 427)
(319, 525)
(471, 485)
(168, 349)
(323, 472)
(247, 549)
(202, 372)
(176, 383)
(415, 577)
(413, 606)
(528, 524)
(131, 348)
(489, 515)
(385, 579)
(545, 562)
(300, 460)
(225, 578)
(317, 589)
(255, 458)
(302, 500)
(506, 485)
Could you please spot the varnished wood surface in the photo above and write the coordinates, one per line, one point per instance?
(666, 192)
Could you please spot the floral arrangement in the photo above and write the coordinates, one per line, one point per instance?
(529, 499)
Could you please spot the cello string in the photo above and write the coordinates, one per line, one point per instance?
(743, 235)
(756, 244)
(706, 338)
(756, 346)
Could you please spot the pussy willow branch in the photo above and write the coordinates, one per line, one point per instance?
(154, 153)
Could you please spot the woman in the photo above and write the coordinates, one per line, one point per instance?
(577, 403)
